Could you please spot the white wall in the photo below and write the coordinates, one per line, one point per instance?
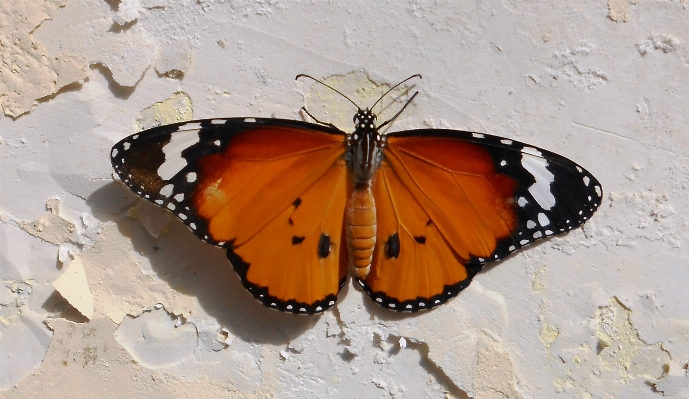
(601, 312)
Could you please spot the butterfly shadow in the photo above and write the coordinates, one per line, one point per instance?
(195, 268)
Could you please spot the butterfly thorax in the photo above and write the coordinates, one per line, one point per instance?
(365, 147)
(364, 155)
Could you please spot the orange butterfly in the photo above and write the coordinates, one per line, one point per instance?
(414, 214)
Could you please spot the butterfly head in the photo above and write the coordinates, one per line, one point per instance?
(365, 147)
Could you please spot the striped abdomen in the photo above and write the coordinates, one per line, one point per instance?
(361, 230)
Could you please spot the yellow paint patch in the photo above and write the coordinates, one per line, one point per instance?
(548, 335)
(74, 287)
(621, 348)
(537, 280)
(177, 108)
(328, 106)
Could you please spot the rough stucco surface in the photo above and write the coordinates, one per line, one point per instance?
(102, 295)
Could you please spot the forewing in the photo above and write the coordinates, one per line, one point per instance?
(451, 201)
(272, 192)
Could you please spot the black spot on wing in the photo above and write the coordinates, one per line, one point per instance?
(392, 246)
(324, 246)
(297, 240)
(420, 239)
(296, 203)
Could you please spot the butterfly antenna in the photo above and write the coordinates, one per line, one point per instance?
(398, 113)
(418, 75)
(301, 75)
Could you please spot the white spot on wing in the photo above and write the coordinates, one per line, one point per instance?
(530, 224)
(478, 135)
(167, 190)
(543, 219)
(503, 163)
(217, 142)
(532, 151)
(524, 242)
(188, 127)
(218, 121)
(174, 162)
(537, 234)
(522, 201)
(598, 191)
(540, 190)
(127, 145)
(511, 248)
(249, 120)
(191, 177)
(507, 142)
(179, 197)
(114, 152)
(171, 206)
(586, 180)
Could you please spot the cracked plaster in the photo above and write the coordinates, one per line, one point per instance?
(598, 313)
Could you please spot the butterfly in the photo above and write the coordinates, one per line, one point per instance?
(414, 215)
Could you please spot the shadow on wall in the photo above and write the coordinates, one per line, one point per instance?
(199, 269)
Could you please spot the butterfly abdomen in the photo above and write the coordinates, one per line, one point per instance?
(361, 230)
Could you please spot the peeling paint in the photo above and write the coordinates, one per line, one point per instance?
(132, 291)
(74, 287)
(156, 338)
(51, 227)
(28, 70)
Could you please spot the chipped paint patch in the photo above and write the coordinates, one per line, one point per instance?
(28, 70)
(50, 227)
(621, 349)
(74, 287)
(177, 108)
(132, 291)
(156, 338)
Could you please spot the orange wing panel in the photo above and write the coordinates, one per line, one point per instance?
(277, 196)
(439, 204)
(288, 255)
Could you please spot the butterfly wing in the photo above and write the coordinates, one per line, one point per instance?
(449, 201)
(272, 192)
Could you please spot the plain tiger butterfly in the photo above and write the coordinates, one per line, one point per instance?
(414, 214)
